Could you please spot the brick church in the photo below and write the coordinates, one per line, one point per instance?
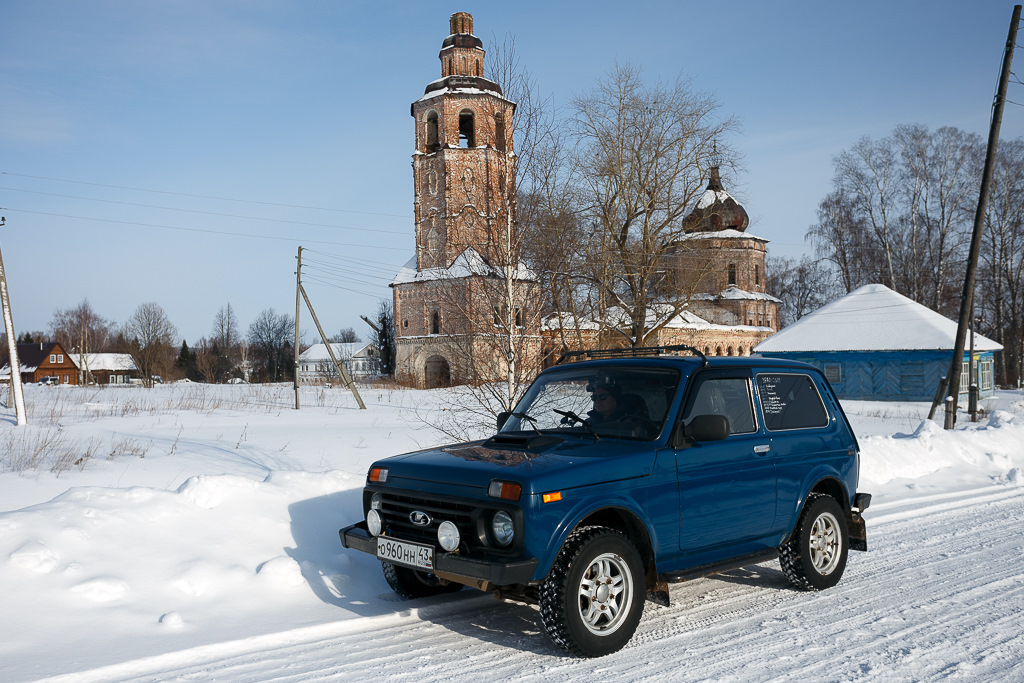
(466, 310)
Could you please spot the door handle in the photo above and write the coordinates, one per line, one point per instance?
(763, 448)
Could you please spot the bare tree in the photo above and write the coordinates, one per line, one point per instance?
(207, 360)
(803, 286)
(347, 335)
(642, 157)
(841, 237)
(901, 212)
(80, 330)
(1001, 275)
(271, 338)
(151, 337)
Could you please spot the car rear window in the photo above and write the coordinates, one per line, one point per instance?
(790, 401)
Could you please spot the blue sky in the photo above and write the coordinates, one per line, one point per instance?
(180, 152)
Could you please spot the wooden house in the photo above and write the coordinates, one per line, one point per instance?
(44, 362)
(876, 344)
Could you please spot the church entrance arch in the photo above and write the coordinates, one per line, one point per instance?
(437, 372)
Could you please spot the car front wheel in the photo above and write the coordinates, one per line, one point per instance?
(413, 583)
(592, 599)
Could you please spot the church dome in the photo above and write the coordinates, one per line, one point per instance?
(716, 210)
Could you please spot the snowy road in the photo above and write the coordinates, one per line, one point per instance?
(939, 595)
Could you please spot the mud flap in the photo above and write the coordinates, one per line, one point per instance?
(858, 531)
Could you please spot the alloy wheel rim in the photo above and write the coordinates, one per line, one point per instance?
(824, 543)
(605, 593)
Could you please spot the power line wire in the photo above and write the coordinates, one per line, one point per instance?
(202, 230)
(206, 213)
(202, 196)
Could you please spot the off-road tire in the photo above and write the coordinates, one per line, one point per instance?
(413, 583)
(593, 597)
(814, 557)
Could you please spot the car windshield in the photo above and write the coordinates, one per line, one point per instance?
(622, 402)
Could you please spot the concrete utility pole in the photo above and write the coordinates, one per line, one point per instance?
(16, 390)
(967, 298)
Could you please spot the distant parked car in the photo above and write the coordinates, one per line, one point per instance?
(49, 380)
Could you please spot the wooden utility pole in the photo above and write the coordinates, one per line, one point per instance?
(295, 349)
(345, 377)
(16, 391)
(967, 298)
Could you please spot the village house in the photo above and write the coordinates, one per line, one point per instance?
(43, 362)
(361, 360)
(107, 368)
(876, 344)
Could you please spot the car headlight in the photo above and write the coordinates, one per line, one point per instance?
(501, 526)
(373, 522)
(448, 536)
(375, 502)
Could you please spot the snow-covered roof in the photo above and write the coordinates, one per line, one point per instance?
(872, 318)
(711, 196)
(721, 234)
(122, 362)
(733, 292)
(318, 352)
(468, 263)
(617, 317)
(431, 94)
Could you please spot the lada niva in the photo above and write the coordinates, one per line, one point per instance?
(618, 474)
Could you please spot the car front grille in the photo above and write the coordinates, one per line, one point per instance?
(397, 510)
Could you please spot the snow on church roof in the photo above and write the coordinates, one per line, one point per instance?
(872, 318)
(728, 233)
(468, 263)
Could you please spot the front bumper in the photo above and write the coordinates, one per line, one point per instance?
(470, 571)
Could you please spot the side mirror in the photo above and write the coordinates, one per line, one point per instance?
(708, 428)
(502, 419)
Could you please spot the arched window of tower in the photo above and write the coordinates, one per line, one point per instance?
(467, 133)
(432, 144)
(499, 133)
(732, 273)
(435, 323)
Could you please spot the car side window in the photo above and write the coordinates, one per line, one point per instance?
(790, 401)
(726, 396)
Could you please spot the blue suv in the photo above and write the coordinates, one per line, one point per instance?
(617, 474)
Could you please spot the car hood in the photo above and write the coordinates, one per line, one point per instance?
(548, 464)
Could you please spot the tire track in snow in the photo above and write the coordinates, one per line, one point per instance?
(939, 595)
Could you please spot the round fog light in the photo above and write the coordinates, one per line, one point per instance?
(448, 536)
(373, 522)
(501, 526)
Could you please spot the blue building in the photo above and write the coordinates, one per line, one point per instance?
(876, 344)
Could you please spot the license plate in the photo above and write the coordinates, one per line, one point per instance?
(403, 552)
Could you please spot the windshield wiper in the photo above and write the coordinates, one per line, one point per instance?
(531, 420)
(576, 419)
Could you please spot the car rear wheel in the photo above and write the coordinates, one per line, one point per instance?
(814, 557)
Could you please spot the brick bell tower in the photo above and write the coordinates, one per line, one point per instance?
(464, 179)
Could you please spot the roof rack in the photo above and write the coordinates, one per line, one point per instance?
(629, 352)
